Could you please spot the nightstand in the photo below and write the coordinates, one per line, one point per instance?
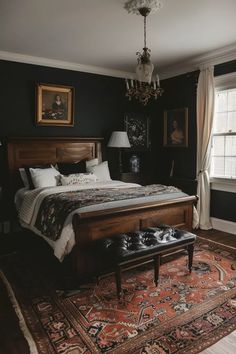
(4, 223)
(131, 177)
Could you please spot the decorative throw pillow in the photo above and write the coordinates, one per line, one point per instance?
(78, 178)
(101, 171)
(24, 177)
(66, 168)
(44, 177)
(28, 174)
(91, 163)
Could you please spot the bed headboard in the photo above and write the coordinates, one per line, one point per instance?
(38, 151)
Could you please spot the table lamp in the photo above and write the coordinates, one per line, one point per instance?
(120, 140)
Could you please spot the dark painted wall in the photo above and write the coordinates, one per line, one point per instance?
(98, 101)
(99, 109)
(179, 92)
(99, 104)
(223, 205)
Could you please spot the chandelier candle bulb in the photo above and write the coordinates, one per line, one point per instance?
(158, 81)
(127, 84)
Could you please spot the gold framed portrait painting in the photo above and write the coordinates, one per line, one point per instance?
(55, 105)
(176, 127)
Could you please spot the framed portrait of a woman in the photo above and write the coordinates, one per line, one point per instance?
(55, 105)
(176, 127)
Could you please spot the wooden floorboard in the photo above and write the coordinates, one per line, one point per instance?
(227, 345)
(11, 339)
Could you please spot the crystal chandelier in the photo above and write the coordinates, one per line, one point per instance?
(146, 85)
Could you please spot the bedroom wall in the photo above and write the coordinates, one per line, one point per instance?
(98, 101)
(99, 104)
(99, 109)
(179, 92)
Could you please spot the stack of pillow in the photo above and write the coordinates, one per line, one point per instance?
(65, 174)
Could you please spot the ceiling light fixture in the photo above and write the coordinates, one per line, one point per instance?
(146, 84)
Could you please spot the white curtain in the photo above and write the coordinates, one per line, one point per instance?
(205, 113)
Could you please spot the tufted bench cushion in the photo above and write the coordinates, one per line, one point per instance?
(128, 250)
(124, 247)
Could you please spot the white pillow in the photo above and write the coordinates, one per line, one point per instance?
(44, 177)
(78, 178)
(24, 177)
(101, 171)
(91, 163)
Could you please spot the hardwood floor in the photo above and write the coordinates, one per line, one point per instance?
(226, 345)
(11, 339)
(218, 236)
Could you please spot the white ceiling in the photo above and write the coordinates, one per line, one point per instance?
(102, 34)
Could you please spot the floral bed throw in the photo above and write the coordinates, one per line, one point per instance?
(55, 208)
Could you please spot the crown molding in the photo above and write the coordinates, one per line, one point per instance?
(219, 56)
(212, 58)
(60, 64)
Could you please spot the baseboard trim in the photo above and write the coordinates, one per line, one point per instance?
(224, 225)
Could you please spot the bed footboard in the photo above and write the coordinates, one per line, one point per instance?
(95, 225)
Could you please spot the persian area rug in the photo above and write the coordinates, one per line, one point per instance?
(185, 314)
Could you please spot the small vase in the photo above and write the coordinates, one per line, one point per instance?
(134, 164)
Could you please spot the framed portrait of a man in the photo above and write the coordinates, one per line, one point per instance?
(176, 127)
(55, 105)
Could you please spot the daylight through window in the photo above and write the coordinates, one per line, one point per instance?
(223, 163)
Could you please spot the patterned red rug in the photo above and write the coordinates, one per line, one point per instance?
(184, 314)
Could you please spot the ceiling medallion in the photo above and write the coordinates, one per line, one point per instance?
(146, 84)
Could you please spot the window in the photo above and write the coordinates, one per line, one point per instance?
(223, 163)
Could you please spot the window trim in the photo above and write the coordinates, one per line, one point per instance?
(223, 83)
(223, 184)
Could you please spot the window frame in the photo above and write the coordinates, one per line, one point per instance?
(227, 184)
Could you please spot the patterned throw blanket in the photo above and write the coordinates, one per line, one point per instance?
(55, 208)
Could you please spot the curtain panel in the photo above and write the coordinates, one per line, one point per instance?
(205, 113)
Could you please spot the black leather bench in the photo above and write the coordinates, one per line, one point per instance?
(125, 251)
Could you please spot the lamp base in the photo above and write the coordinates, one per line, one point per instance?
(120, 161)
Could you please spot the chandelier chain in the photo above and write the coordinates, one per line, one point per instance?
(146, 85)
(145, 31)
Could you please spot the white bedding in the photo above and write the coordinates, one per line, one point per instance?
(28, 203)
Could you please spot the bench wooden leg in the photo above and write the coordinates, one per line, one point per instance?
(118, 282)
(157, 261)
(190, 257)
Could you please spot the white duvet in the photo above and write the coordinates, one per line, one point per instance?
(28, 203)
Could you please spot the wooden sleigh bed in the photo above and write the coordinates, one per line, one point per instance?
(97, 224)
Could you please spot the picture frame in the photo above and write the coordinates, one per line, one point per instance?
(176, 127)
(138, 130)
(54, 105)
